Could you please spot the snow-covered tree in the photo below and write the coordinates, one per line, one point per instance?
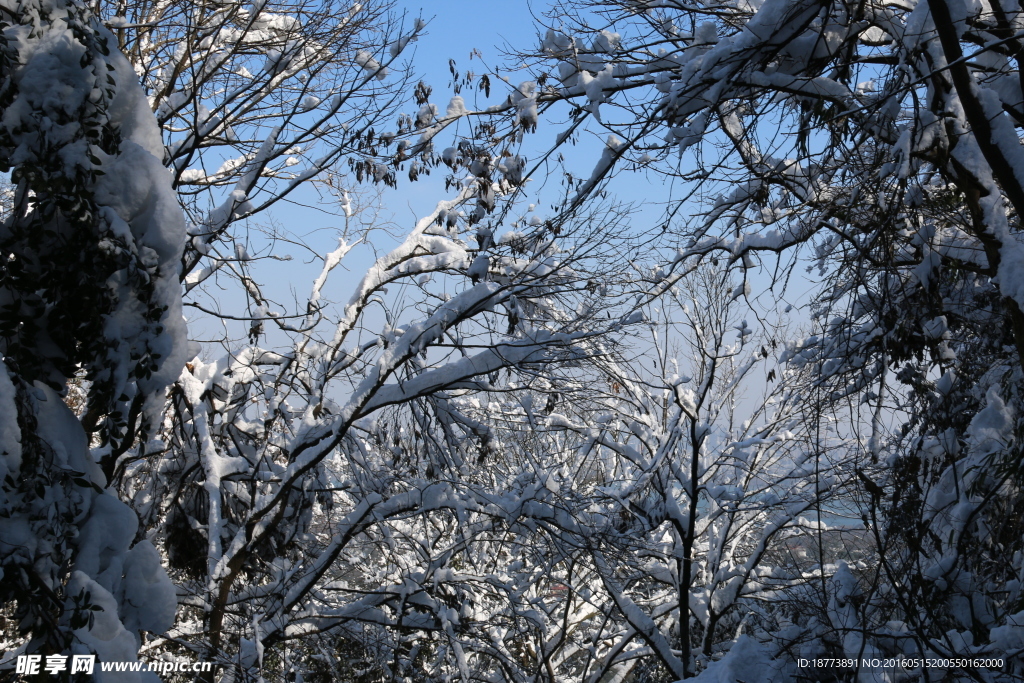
(706, 490)
(90, 247)
(332, 491)
(261, 105)
(472, 466)
(881, 141)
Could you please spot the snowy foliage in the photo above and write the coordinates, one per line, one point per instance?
(258, 99)
(881, 142)
(524, 444)
(90, 246)
(295, 487)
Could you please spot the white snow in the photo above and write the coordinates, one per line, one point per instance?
(366, 60)
(10, 433)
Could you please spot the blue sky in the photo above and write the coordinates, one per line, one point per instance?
(457, 27)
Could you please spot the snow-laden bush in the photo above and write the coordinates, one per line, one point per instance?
(89, 258)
